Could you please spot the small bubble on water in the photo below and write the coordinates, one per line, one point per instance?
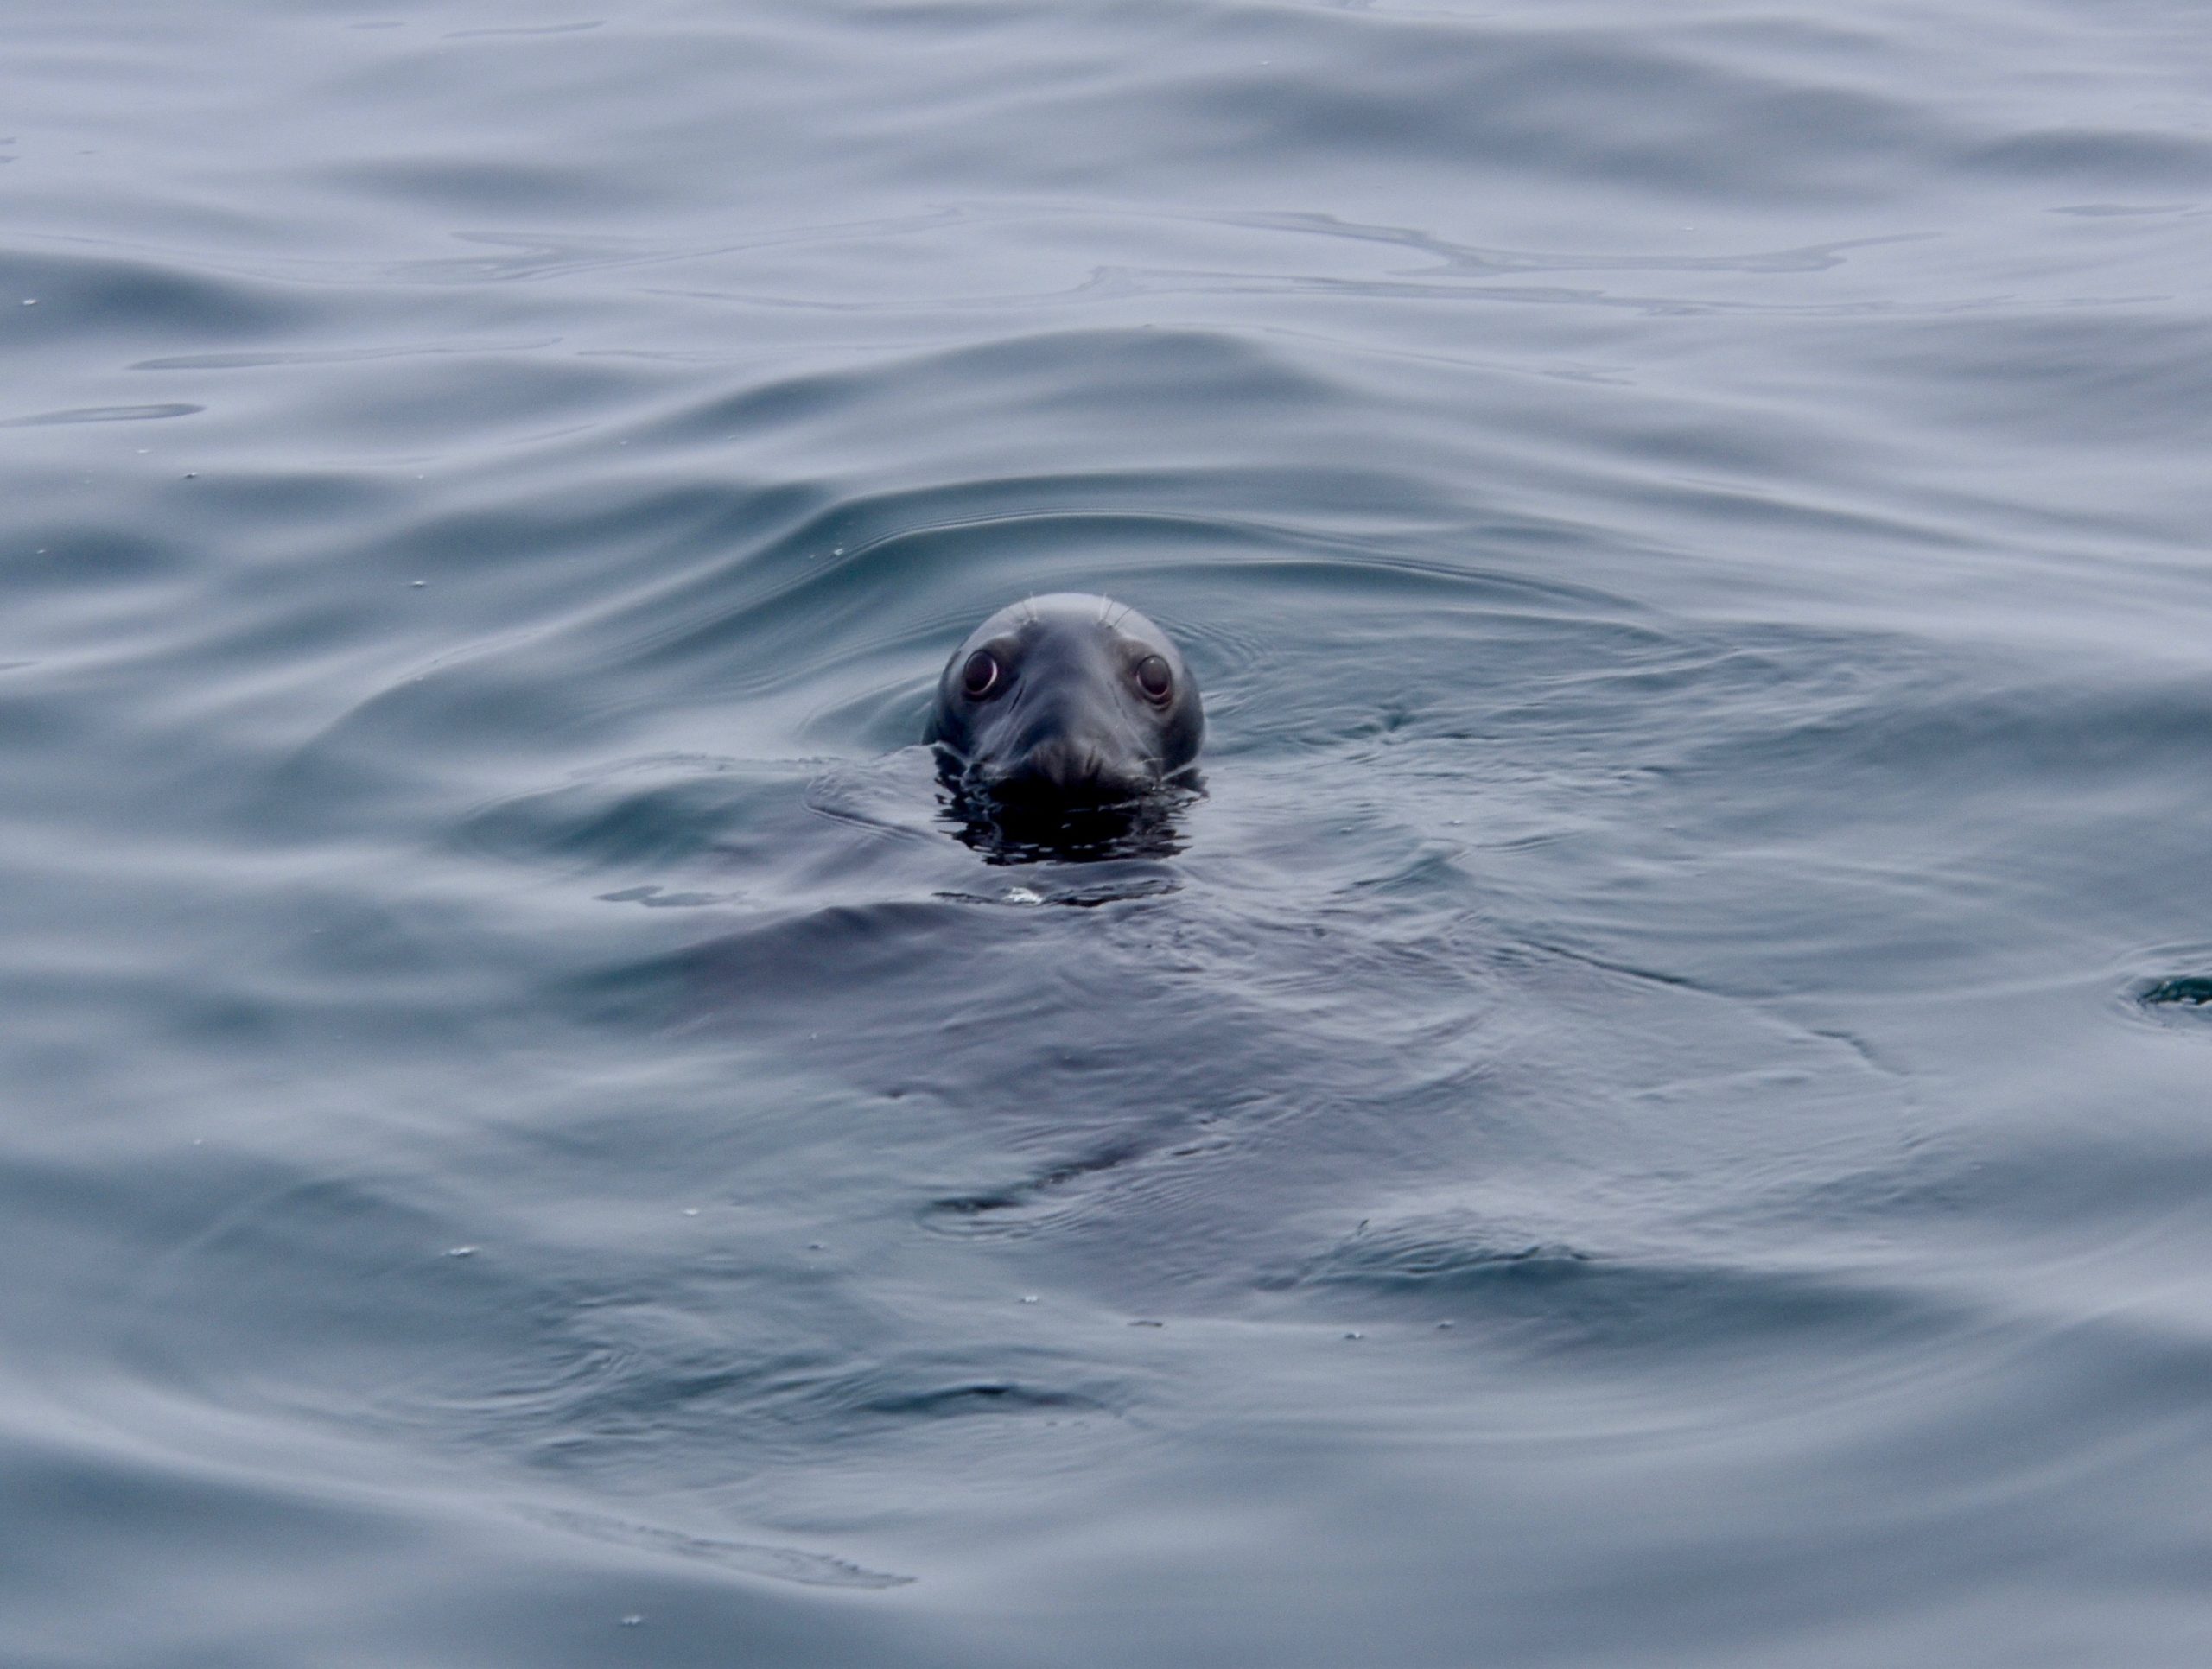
(416, 584)
(30, 301)
(460, 1252)
(1029, 1297)
(691, 1210)
(633, 1620)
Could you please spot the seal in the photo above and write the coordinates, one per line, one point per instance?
(1067, 700)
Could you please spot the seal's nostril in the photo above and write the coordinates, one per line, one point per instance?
(1069, 768)
(1064, 763)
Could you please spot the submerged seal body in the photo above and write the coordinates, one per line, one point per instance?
(1069, 699)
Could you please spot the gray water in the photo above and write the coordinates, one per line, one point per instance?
(1661, 1114)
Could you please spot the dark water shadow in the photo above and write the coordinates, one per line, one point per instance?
(1004, 832)
(2182, 998)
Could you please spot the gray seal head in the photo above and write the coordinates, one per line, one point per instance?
(1071, 700)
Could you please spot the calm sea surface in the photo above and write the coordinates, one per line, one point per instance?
(1661, 1114)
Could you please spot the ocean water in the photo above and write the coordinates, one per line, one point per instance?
(1658, 1113)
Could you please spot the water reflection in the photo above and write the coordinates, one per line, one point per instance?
(1003, 830)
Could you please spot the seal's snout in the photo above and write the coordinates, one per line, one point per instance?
(1076, 768)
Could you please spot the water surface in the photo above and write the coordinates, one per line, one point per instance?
(1658, 1113)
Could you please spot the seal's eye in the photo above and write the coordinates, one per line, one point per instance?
(1153, 678)
(981, 675)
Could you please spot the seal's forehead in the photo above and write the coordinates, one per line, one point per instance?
(1081, 611)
